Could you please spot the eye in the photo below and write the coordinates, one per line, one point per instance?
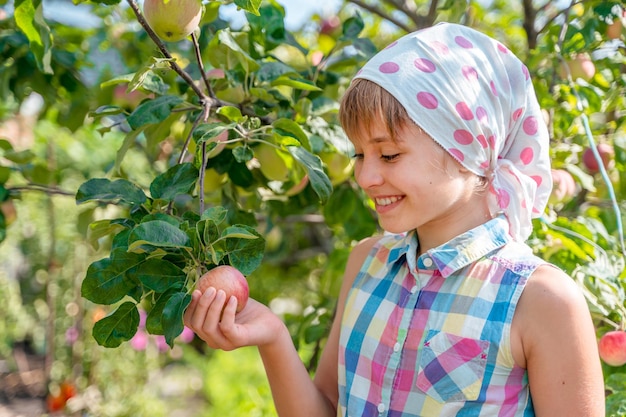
(389, 157)
(357, 156)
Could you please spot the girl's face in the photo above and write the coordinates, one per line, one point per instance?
(416, 184)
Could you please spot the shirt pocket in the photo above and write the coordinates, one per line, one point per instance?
(451, 367)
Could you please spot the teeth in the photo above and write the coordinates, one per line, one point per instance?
(386, 201)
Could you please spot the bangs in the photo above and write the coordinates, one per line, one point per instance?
(366, 103)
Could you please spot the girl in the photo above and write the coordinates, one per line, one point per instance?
(449, 314)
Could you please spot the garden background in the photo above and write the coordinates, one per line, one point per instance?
(128, 166)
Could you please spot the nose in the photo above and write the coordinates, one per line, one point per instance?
(367, 173)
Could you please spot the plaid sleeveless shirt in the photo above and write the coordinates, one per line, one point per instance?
(430, 336)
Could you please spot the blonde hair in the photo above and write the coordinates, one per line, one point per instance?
(365, 103)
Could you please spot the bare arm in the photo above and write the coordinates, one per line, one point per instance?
(559, 346)
(294, 393)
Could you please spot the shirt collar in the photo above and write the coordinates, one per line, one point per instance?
(456, 253)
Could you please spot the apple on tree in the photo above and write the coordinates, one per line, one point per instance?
(579, 66)
(229, 280)
(173, 20)
(607, 154)
(612, 348)
(563, 186)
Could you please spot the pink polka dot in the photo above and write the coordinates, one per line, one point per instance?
(464, 111)
(491, 140)
(527, 155)
(457, 154)
(389, 68)
(481, 114)
(463, 42)
(484, 165)
(439, 47)
(504, 199)
(530, 125)
(503, 48)
(525, 71)
(469, 73)
(482, 140)
(537, 179)
(517, 114)
(493, 88)
(463, 137)
(424, 65)
(427, 100)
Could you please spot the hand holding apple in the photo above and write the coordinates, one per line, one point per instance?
(229, 280)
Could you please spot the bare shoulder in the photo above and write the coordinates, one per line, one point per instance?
(555, 329)
(550, 301)
(551, 288)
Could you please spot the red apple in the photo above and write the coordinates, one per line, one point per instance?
(606, 154)
(612, 348)
(173, 20)
(329, 25)
(580, 66)
(229, 280)
(563, 186)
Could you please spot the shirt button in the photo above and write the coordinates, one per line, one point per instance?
(381, 408)
(396, 347)
(414, 289)
(428, 262)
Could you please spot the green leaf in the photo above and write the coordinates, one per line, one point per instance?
(179, 179)
(232, 113)
(238, 232)
(317, 177)
(208, 131)
(243, 154)
(29, 18)
(269, 71)
(208, 231)
(172, 319)
(153, 111)
(244, 254)
(118, 327)
(102, 228)
(352, 27)
(107, 191)
(160, 275)
(217, 214)
(287, 127)
(296, 82)
(225, 38)
(154, 324)
(157, 233)
(251, 6)
(108, 280)
(129, 141)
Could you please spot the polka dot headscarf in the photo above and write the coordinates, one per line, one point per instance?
(475, 98)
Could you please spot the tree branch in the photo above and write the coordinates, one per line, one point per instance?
(166, 53)
(383, 14)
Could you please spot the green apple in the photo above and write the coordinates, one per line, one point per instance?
(338, 165)
(173, 20)
(273, 162)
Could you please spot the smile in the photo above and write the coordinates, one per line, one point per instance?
(385, 201)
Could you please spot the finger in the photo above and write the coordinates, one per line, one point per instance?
(202, 306)
(195, 295)
(214, 312)
(228, 316)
